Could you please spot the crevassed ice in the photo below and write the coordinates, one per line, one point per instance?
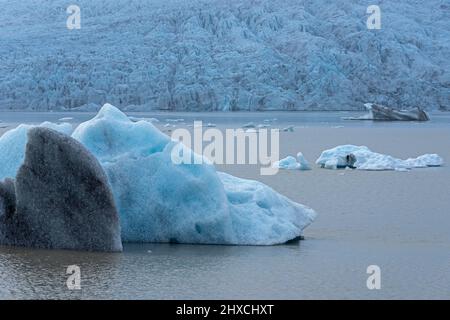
(160, 201)
(368, 160)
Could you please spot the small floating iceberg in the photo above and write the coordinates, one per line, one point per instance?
(249, 125)
(362, 158)
(292, 163)
(288, 129)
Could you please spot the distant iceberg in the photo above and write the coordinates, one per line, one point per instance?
(362, 158)
(160, 201)
(292, 163)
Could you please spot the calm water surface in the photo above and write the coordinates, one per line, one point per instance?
(396, 220)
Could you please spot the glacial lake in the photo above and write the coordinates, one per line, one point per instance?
(398, 221)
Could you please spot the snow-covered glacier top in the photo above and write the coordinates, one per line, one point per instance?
(224, 55)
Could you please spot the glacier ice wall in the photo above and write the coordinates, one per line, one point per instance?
(216, 55)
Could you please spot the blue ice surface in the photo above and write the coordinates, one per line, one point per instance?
(185, 55)
(12, 146)
(161, 201)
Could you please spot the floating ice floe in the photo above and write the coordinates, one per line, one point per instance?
(136, 119)
(12, 146)
(161, 201)
(288, 129)
(362, 158)
(292, 163)
(378, 112)
(249, 125)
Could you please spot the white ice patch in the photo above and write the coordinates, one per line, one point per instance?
(368, 160)
(12, 146)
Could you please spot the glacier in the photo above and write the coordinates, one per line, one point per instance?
(366, 159)
(161, 201)
(188, 55)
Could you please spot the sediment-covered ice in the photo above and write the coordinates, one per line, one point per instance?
(62, 198)
(343, 156)
(292, 163)
(161, 201)
(12, 146)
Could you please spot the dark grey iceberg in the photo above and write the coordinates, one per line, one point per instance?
(381, 113)
(62, 198)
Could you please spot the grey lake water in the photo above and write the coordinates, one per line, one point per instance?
(398, 221)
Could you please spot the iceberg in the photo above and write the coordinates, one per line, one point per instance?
(61, 198)
(216, 55)
(381, 113)
(362, 158)
(13, 142)
(161, 201)
(292, 163)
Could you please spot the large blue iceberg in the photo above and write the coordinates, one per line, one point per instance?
(161, 201)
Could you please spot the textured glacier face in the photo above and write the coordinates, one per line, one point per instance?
(12, 146)
(160, 201)
(368, 160)
(216, 55)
